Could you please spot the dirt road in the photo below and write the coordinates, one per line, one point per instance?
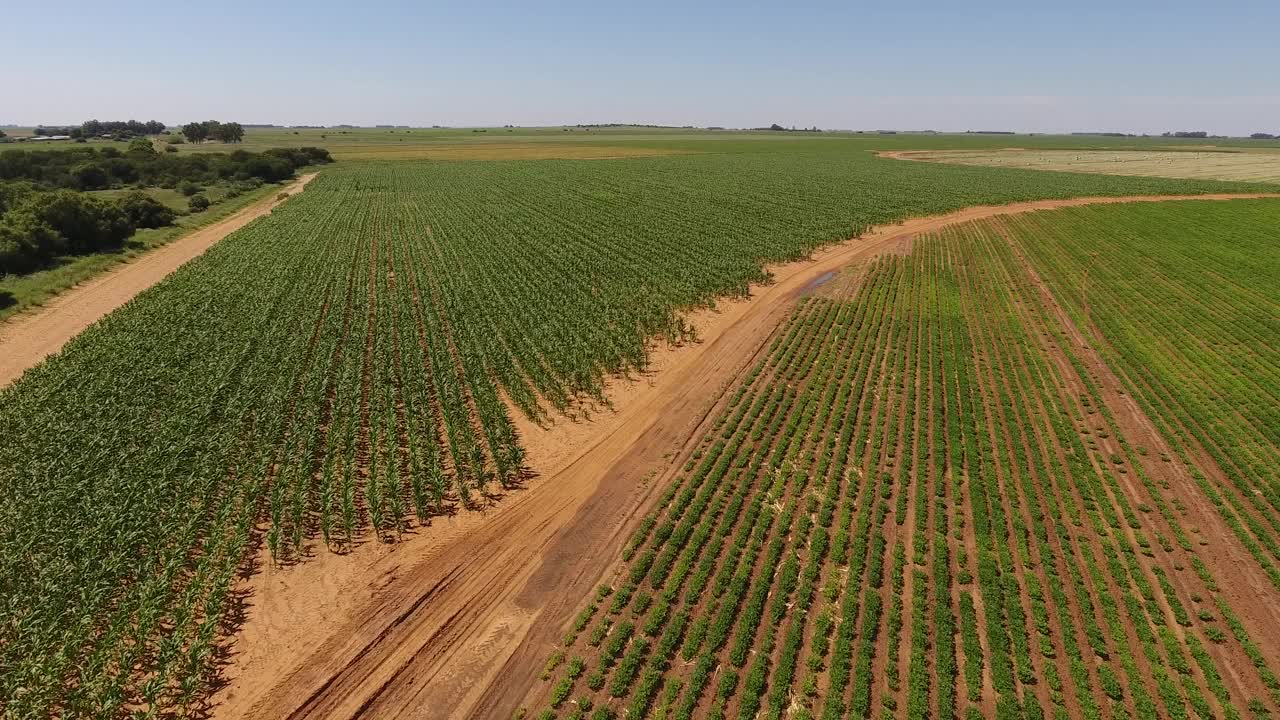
(30, 337)
(456, 621)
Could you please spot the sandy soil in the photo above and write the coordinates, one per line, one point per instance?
(28, 338)
(457, 620)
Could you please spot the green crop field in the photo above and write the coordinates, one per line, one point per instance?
(341, 369)
(607, 142)
(1190, 320)
(926, 502)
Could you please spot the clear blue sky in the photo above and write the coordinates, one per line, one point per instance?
(983, 64)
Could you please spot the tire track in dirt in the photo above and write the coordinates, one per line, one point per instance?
(28, 338)
(474, 604)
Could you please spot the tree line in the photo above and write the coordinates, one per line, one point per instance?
(231, 132)
(100, 168)
(45, 212)
(227, 132)
(121, 129)
(36, 226)
(93, 128)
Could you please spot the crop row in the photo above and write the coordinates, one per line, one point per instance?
(344, 368)
(946, 518)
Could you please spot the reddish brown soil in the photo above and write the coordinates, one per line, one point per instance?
(28, 338)
(457, 621)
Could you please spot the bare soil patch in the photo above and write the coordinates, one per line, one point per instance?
(27, 339)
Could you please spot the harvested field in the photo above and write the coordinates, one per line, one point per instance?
(1258, 166)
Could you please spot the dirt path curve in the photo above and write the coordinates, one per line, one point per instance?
(29, 337)
(456, 621)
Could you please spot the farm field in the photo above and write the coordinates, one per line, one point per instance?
(19, 293)
(580, 142)
(354, 369)
(936, 497)
(27, 338)
(1260, 166)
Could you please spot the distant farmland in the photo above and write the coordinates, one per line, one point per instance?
(1260, 166)
(927, 499)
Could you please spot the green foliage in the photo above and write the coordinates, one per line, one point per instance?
(27, 242)
(213, 130)
(342, 368)
(91, 168)
(144, 211)
(86, 223)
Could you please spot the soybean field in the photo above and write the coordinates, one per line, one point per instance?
(1024, 471)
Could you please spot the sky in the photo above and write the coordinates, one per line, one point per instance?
(1085, 65)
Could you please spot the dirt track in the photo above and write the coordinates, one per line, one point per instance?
(30, 337)
(456, 621)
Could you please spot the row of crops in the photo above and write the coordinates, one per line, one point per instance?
(1191, 321)
(917, 505)
(344, 369)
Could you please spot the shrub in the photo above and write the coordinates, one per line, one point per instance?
(141, 146)
(88, 224)
(198, 203)
(13, 193)
(145, 211)
(26, 243)
(90, 176)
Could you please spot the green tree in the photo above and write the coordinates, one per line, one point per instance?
(145, 211)
(26, 243)
(195, 132)
(90, 176)
(12, 193)
(141, 146)
(230, 132)
(87, 223)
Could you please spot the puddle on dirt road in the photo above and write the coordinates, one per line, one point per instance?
(821, 280)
